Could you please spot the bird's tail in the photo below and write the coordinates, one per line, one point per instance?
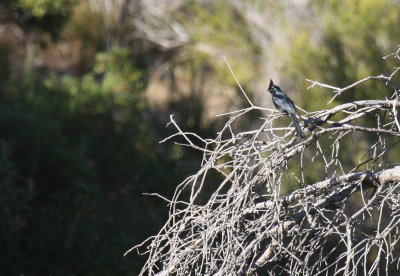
(297, 126)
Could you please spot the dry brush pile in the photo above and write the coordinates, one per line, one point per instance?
(346, 223)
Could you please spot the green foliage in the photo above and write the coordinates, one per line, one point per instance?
(84, 25)
(347, 45)
(120, 75)
(351, 41)
(218, 29)
(40, 8)
(44, 15)
(74, 156)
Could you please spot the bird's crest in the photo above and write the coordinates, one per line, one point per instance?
(271, 83)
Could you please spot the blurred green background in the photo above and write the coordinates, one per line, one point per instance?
(87, 86)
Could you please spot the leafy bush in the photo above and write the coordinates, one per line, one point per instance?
(75, 153)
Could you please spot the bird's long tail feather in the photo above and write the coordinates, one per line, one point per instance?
(297, 126)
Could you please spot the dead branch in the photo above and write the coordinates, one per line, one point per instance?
(341, 217)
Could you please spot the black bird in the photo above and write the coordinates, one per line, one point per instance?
(285, 105)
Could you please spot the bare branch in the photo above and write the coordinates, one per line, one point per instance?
(345, 221)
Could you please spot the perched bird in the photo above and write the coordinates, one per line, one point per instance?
(285, 105)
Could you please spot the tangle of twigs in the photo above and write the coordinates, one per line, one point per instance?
(345, 222)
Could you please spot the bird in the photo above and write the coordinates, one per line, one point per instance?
(285, 105)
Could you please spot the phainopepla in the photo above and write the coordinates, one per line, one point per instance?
(285, 105)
